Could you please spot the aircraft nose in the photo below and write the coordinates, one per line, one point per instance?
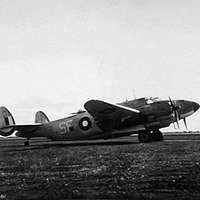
(195, 106)
(187, 108)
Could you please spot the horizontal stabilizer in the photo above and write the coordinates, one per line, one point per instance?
(23, 128)
(8, 126)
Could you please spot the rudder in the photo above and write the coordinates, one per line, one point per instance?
(40, 117)
(6, 120)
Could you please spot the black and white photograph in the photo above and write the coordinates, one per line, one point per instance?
(99, 99)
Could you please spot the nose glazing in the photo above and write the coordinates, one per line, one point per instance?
(187, 106)
(195, 106)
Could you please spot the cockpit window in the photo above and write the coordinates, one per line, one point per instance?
(150, 100)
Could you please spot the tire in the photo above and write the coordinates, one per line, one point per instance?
(157, 136)
(144, 137)
(85, 123)
(26, 144)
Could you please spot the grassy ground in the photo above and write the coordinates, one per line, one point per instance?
(115, 169)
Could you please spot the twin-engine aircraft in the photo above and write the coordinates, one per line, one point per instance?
(102, 120)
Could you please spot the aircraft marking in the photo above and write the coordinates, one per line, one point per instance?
(85, 123)
(65, 126)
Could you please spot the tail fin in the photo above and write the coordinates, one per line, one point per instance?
(6, 119)
(40, 117)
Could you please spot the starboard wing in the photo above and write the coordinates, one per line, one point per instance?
(110, 116)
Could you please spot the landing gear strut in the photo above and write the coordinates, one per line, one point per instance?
(27, 143)
(150, 136)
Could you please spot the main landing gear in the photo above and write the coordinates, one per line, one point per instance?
(150, 136)
(27, 143)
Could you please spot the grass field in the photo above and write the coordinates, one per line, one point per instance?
(113, 169)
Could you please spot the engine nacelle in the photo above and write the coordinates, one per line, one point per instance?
(147, 110)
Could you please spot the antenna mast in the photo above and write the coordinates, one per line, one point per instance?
(134, 93)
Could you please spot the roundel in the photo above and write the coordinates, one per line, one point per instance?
(85, 123)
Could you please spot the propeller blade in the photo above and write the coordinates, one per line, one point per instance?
(185, 122)
(175, 109)
(174, 126)
(178, 116)
(178, 125)
(170, 100)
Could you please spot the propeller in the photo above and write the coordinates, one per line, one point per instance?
(175, 109)
(185, 122)
(174, 126)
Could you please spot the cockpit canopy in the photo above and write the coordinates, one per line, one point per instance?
(150, 100)
(137, 103)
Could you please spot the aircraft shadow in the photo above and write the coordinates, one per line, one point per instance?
(15, 148)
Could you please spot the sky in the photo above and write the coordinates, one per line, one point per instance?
(57, 54)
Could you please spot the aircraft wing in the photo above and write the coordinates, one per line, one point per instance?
(109, 116)
(129, 130)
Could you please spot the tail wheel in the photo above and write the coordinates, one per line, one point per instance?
(85, 123)
(144, 137)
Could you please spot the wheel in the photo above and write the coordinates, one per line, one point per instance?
(157, 136)
(26, 143)
(144, 137)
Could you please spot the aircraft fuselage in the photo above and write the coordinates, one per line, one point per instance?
(153, 116)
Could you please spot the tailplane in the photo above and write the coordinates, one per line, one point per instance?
(40, 117)
(6, 120)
